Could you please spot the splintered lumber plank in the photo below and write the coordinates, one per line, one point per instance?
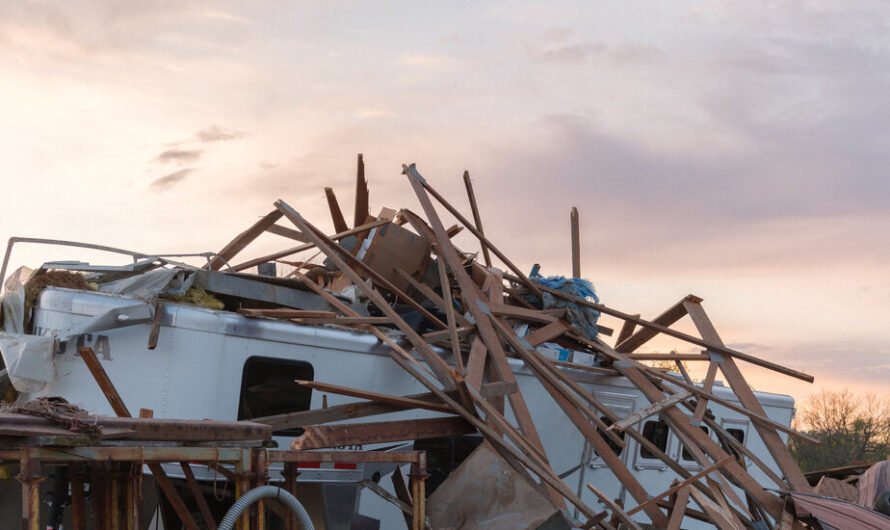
(744, 451)
(445, 334)
(346, 257)
(450, 316)
(337, 215)
(361, 193)
(440, 367)
(104, 382)
(679, 509)
(680, 335)
(513, 455)
(284, 231)
(668, 357)
(476, 362)
(323, 436)
(347, 411)
(477, 219)
(576, 243)
(652, 409)
(500, 388)
(547, 333)
(344, 321)
(430, 295)
(114, 399)
(583, 422)
(627, 329)
(719, 518)
(294, 250)
(544, 370)
(680, 485)
(693, 437)
(616, 510)
(286, 313)
(532, 315)
(473, 299)
(777, 448)
(402, 493)
(755, 417)
(243, 239)
(669, 317)
(598, 370)
(415, 176)
(193, 486)
(707, 385)
(404, 402)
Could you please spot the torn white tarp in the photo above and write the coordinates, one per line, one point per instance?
(13, 301)
(29, 360)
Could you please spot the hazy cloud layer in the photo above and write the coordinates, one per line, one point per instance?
(215, 133)
(168, 181)
(179, 156)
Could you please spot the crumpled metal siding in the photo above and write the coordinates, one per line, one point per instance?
(835, 514)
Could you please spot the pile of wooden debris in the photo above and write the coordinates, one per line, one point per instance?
(460, 327)
(458, 318)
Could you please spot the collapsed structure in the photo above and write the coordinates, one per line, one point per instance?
(454, 324)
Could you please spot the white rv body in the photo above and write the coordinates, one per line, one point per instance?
(196, 372)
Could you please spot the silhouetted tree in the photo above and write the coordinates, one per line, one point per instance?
(852, 428)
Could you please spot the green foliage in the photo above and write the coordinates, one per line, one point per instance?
(853, 429)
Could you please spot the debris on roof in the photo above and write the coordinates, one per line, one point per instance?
(453, 323)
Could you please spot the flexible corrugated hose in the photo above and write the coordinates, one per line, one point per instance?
(266, 492)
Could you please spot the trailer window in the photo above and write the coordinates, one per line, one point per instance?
(617, 449)
(738, 434)
(268, 388)
(657, 433)
(686, 454)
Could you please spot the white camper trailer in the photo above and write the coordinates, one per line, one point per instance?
(222, 365)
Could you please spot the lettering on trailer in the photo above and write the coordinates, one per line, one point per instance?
(100, 344)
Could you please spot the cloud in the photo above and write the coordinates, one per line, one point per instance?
(179, 156)
(584, 52)
(215, 133)
(166, 182)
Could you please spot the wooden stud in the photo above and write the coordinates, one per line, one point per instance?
(198, 495)
(576, 243)
(476, 218)
(337, 215)
(242, 240)
(361, 193)
(777, 448)
(404, 402)
(417, 180)
(105, 384)
(679, 509)
(294, 250)
(443, 372)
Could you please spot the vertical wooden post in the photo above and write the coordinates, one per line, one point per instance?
(114, 485)
(290, 484)
(78, 499)
(261, 478)
(418, 494)
(29, 477)
(576, 244)
(476, 218)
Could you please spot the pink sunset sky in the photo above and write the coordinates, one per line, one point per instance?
(734, 150)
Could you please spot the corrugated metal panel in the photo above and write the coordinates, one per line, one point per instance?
(837, 514)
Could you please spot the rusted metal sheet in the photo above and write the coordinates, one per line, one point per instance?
(837, 514)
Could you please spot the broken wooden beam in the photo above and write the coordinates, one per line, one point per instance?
(323, 436)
